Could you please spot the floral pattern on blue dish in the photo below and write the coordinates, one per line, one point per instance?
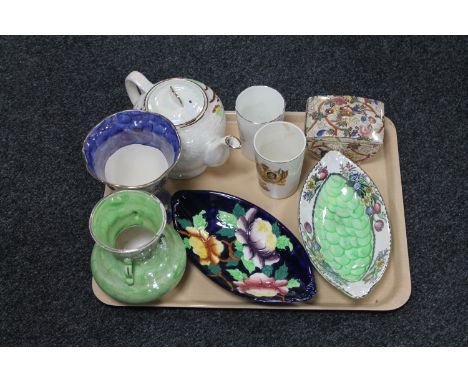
(243, 248)
(126, 128)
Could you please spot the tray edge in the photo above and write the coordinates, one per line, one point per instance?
(391, 305)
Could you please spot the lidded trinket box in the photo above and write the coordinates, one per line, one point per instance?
(352, 125)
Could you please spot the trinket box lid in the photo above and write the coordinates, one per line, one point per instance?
(345, 117)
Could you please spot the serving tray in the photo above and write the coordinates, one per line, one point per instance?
(238, 176)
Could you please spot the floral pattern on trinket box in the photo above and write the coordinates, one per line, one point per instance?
(349, 124)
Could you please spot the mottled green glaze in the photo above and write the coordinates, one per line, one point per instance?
(122, 210)
(153, 276)
(143, 274)
(343, 229)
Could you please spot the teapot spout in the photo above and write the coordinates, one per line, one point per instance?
(233, 142)
(217, 152)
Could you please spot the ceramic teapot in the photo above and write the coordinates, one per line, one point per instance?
(197, 113)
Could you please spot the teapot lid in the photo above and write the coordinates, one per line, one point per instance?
(180, 100)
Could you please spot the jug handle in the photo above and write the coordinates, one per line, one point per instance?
(136, 85)
(128, 266)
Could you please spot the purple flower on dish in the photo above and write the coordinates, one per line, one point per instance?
(258, 239)
(355, 176)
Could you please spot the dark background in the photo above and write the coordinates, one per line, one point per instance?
(53, 90)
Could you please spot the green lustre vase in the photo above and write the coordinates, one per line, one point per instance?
(137, 258)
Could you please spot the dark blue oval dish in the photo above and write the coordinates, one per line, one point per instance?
(243, 248)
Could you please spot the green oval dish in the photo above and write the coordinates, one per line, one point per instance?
(344, 225)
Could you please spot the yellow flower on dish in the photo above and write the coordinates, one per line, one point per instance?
(206, 247)
(367, 199)
(310, 184)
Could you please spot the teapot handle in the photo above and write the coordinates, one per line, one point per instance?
(136, 85)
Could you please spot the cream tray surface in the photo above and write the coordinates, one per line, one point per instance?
(393, 290)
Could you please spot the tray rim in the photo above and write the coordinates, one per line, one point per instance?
(396, 302)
